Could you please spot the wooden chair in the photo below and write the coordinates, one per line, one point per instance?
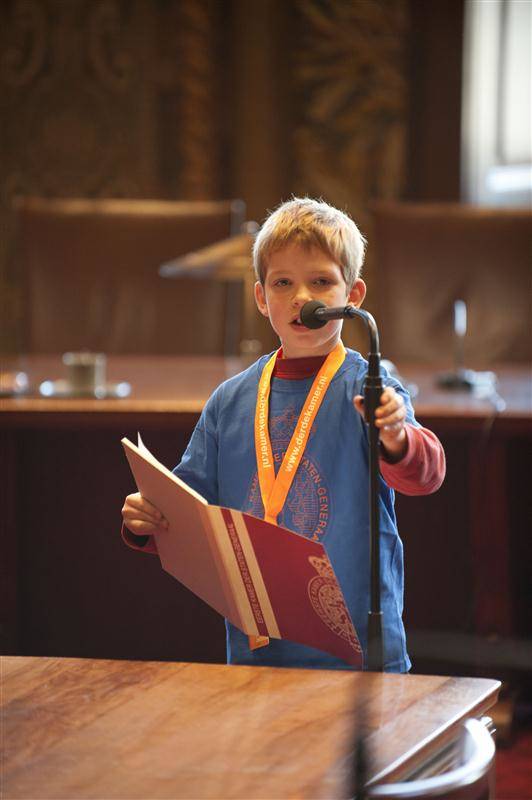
(429, 255)
(470, 779)
(90, 274)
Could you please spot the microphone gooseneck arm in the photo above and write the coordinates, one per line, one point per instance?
(315, 314)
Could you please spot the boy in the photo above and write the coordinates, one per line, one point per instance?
(307, 250)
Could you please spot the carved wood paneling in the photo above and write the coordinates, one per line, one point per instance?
(351, 87)
(70, 97)
(135, 98)
(82, 102)
(351, 94)
(200, 115)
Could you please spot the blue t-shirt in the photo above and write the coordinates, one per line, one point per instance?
(327, 502)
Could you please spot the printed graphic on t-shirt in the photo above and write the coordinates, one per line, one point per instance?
(306, 510)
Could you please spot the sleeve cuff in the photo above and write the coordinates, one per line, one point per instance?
(144, 543)
(410, 453)
(422, 468)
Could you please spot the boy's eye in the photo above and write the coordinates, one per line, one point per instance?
(281, 282)
(322, 282)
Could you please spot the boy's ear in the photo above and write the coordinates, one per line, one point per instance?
(357, 293)
(260, 299)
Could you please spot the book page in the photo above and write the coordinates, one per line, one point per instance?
(143, 451)
(184, 549)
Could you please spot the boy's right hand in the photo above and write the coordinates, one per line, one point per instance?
(141, 517)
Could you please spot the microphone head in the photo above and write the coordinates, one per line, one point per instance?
(308, 314)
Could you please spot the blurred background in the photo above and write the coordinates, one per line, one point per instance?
(356, 101)
(209, 99)
(414, 116)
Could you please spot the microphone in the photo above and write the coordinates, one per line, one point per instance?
(315, 314)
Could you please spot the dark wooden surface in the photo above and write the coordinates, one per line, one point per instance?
(115, 729)
(73, 589)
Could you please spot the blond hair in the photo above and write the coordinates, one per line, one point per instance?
(311, 223)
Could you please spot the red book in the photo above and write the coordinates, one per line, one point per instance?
(265, 579)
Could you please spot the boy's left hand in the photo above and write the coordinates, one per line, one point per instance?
(390, 417)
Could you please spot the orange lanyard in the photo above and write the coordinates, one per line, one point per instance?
(274, 489)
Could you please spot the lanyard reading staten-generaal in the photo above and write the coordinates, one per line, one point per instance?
(274, 489)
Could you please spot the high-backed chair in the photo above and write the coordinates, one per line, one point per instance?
(429, 255)
(470, 779)
(90, 274)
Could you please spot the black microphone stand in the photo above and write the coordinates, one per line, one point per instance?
(372, 392)
(315, 314)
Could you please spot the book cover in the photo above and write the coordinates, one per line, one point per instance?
(265, 579)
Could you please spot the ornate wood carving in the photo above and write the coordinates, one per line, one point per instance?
(351, 96)
(351, 90)
(78, 104)
(199, 123)
(110, 59)
(23, 50)
(131, 98)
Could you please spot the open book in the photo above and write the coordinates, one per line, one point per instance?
(265, 579)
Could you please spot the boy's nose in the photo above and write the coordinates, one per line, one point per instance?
(301, 296)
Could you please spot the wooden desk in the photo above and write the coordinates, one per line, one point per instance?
(72, 585)
(108, 729)
(170, 388)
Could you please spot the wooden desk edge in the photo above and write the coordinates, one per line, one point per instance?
(401, 769)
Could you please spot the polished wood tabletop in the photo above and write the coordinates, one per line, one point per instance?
(84, 728)
(180, 385)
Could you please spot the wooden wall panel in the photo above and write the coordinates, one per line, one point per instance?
(205, 99)
(351, 92)
(435, 81)
(94, 106)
